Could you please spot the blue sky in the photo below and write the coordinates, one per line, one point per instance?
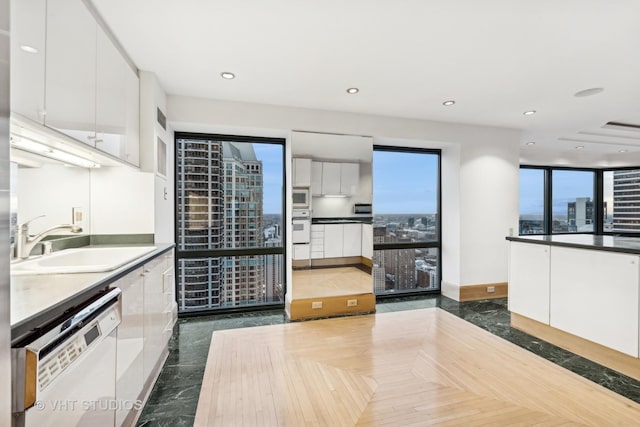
(271, 156)
(405, 183)
(567, 186)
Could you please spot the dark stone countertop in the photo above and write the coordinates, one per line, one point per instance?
(343, 220)
(630, 245)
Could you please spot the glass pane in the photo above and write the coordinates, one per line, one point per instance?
(224, 282)
(573, 201)
(405, 270)
(531, 201)
(405, 197)
(229, 194)
(621, 201)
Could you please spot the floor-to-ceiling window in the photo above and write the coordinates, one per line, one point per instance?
(229, 233)
(621, 193)
(559, 200)
(406, 227)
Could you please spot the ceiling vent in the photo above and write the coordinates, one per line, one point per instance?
(622, 126)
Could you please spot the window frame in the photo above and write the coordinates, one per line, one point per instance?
(418, 245)
(598, 221)
(229, 252)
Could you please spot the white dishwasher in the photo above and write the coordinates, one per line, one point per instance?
(67, 376)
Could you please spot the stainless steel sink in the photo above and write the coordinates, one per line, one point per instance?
(80, 260)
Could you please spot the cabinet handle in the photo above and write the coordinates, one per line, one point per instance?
(98, 140)
(91, 137)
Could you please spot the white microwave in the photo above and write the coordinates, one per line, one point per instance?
(300, 196)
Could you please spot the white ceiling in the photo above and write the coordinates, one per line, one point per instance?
(495, 58)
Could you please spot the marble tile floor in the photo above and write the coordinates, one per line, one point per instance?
(174, 398)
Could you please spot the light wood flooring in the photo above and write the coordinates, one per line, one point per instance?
(418, 367)
(328, 282)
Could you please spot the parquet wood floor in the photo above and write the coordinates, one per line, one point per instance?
(419, 367)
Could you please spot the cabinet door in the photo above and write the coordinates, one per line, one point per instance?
(301, 172)
(28, 23)
(301, 251)
(331, 178)
(129, 373)
(317, 241)
(349, 178)
(352, 240)
(154, 321)
(111, 114)
(594, 295)
(70, 84)
(367, 241)
(333, 240)
(132, 107)
(529, 280)
(316, 178)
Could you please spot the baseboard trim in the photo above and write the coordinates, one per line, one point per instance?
(331, 306)
(620, 362)
(478, 292)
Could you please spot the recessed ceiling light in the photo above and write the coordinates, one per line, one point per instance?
(227, 75)
(353, 90)
(29, 49)
(448, 103)
(579, 147)
(531, 143)
(588, 92)
(622, 151)
(529, 113)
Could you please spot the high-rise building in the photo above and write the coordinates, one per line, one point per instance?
(580, 215)
(220, 206)
(626, 200)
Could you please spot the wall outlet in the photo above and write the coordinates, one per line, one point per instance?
(77, 216)
(491, 289)
(352, 302)
(316, 304)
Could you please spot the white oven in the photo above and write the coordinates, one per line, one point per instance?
(301, 198)
(301, 226)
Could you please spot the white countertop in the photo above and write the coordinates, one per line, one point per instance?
(33, 296)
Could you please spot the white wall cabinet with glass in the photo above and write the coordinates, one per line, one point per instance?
(82, 86)
(301, 172)
(334, 179)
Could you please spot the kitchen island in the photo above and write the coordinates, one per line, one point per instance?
(580, 292)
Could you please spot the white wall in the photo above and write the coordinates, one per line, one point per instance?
(53, 190)
(479, 170)
(122, 201)
(152, 97)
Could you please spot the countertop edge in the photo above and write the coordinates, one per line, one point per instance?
(25, 326)
(592, 247)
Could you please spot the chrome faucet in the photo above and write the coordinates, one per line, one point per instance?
(25, 243)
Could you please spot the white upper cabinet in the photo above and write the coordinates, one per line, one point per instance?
(301, 172)
(70, 83)
(349, 178)
(316, 178)
(83, 86)
(330, 178)
(28, 54)
(117, 102)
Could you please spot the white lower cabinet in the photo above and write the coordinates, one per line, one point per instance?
(594, 295)
(529, 280)
(301, 251)
(367, 241)
(333, 240)
(148, 316)
(352, 240)
(129, 358)
(317, 241)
